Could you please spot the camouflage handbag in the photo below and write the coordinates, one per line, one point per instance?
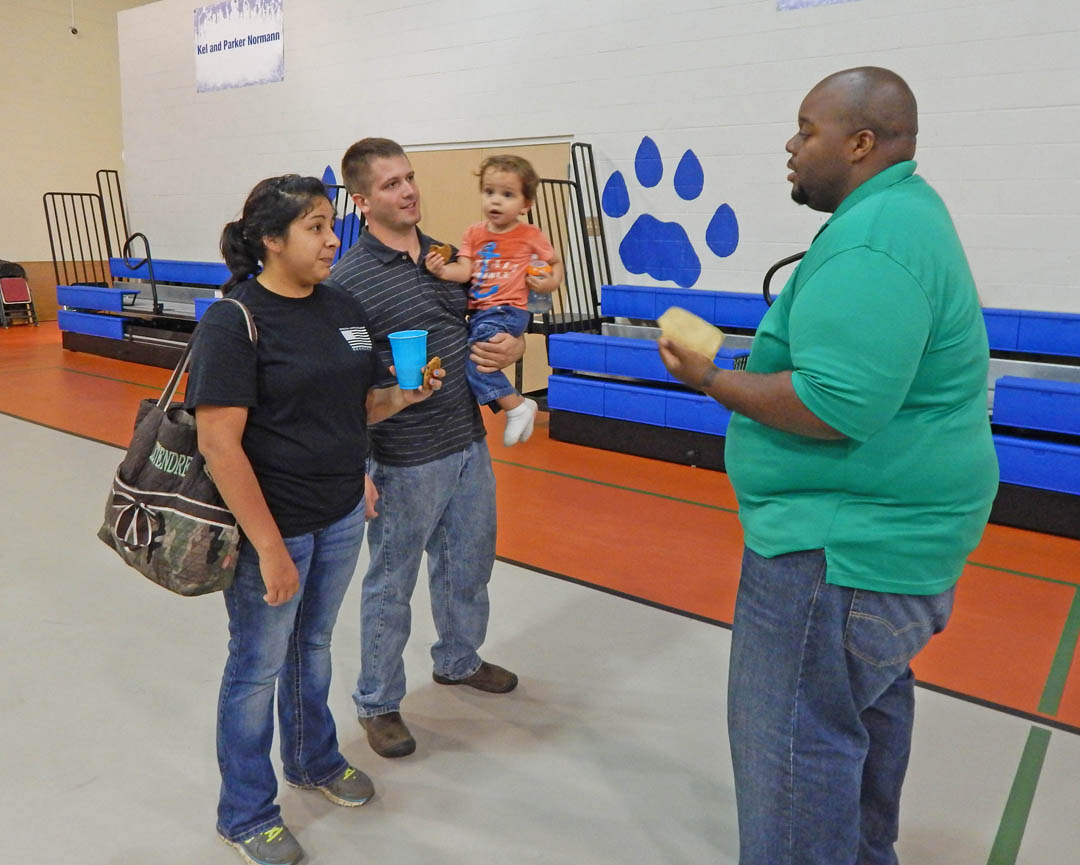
(164, 516)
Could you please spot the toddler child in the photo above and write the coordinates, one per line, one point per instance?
(503, 259)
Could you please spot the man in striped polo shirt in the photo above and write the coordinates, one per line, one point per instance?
(429, 464)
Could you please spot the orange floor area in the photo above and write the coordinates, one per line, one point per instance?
(664, 533)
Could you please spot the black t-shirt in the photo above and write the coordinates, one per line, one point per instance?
(305, 386)
(400, 294)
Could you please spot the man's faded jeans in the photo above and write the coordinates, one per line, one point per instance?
(447, 508)
(820, 711)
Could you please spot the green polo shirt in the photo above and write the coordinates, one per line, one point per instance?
(881, 327)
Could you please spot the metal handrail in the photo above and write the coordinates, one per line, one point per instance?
(148, 261)
(783, 262)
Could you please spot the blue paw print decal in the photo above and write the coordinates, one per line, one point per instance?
(348, 228)
(663, 250)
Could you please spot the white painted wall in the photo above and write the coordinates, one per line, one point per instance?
(998, 82)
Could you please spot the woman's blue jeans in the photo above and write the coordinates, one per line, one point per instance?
(821, 705)
(445, 507)
(287, 646)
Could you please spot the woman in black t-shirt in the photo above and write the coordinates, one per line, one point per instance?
(282, 422)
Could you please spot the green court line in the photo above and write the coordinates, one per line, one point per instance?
(683, 501)
(1018, 806)
(1063, 659)
(36, 369)
(615, 486)
(110, 378)
(1021, 574)
(735, 511)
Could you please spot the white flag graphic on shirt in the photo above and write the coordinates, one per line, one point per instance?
(357, 337)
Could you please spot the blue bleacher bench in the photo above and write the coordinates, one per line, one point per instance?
(201, 305)
(1049, 333)
(1020, 330)
(1002, 328)
(94, 297)
(638, 403)
(110, 326)
(644, 400)
(1037, 404)
(1040, 464)
(619, 355)
(1033, 331)
(722, 308)
(173, 270)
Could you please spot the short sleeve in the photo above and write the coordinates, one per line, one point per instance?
(469, 242)
(858, 330)
(542, 246)
(222, 369)
(380, 371)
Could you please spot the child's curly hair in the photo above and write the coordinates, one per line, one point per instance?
(514, 165)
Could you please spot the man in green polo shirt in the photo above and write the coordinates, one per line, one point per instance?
(861, 455)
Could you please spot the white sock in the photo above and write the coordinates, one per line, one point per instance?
(519, 422)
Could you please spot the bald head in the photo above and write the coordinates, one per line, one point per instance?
(869, 97)
(852, 125)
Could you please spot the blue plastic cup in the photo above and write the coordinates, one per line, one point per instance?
(409, 349)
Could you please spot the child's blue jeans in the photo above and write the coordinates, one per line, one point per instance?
(483, 325)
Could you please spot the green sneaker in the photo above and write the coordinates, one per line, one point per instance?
(275, 846)
(351, 788)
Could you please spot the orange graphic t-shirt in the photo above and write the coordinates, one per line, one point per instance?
(500, 262)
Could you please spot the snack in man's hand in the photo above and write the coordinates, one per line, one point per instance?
(444, 249)
(429, 368)
(691, 331)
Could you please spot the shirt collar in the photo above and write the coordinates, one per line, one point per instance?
(882, 180)
(386, 254)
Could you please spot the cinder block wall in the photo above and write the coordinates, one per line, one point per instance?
(997, 82)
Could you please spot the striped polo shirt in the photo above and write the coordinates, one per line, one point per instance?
(399, 294)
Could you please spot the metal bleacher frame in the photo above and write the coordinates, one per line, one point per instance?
(569, 213)
(110, 303)
(117, 303)
(611, 392)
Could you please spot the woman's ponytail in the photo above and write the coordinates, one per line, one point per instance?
(240, 256)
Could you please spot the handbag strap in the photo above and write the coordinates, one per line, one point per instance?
(181, 367)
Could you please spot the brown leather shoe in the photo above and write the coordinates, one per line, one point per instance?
(388, 735)
(490, 678)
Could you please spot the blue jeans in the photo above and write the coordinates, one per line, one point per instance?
(289, 646)
(483, 325)
(821, 705)
(447, 508)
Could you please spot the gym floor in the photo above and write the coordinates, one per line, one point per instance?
(611, 599)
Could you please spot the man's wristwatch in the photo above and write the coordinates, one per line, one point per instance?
(707, 379)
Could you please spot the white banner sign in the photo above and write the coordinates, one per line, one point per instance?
(783, 5)
(237, 43)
